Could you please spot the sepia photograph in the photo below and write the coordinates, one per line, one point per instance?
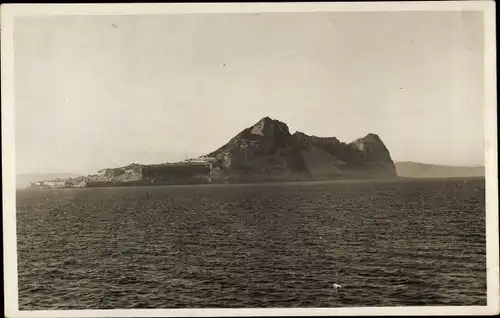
(272, 159)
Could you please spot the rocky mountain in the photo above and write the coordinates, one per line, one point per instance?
(268, 148)
(421, 170)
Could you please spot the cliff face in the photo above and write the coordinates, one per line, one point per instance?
(268, 148)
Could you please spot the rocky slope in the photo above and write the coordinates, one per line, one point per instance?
(268, 148)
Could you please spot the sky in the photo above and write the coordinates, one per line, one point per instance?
(104, 91)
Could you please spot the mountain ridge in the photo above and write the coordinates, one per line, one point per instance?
(269, 147)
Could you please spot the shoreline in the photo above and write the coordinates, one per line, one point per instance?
(264, 183)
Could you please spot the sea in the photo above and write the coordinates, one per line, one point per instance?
(386, 243)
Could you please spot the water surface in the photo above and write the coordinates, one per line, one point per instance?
(397, 243)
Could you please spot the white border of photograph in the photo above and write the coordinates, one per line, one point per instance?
(10, 12)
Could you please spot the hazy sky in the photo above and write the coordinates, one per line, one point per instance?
(103, 91)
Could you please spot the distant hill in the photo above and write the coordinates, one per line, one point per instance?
(421, 170)
(24, 180)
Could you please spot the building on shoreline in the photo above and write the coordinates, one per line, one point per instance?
(194, 171)
(79, 182)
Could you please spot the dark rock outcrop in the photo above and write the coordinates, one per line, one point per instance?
(265, 148)
(268, 148)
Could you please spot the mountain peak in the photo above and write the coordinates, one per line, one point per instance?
(368, 139)
(373, 148)
(268, 147)
(269, 127)
(269, 120)
(372, 136)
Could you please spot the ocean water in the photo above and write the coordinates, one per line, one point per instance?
(387, 243)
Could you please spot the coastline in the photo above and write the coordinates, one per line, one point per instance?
(263, 182)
